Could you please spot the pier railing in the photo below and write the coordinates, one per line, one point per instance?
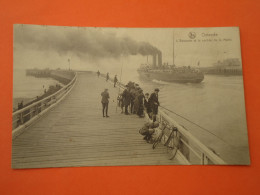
(27, 115)
(193, 150)
(190, 150)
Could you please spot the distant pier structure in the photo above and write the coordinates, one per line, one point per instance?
(231, 66)
(67, 129)
(63, 76)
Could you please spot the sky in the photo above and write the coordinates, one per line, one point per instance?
(110, 49)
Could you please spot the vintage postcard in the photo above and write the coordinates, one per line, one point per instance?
(85, 96)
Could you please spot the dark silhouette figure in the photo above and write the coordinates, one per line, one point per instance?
(107, 76)
(126, 98)
(154, 103)
(105, 101)
(147, 105)
(140, 111)
(115, 81)
(148, 130)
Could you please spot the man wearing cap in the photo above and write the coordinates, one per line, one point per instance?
(154, 103)
(105, 101)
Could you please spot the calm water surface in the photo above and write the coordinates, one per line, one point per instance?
(29, 86)
(217, 104)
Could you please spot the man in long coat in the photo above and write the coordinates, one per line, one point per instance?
(154, 103)
(105, 101)
(140, 111)
(126, 98)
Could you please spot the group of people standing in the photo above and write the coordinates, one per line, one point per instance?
(132, 100)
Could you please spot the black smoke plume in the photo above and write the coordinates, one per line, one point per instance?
(83, 42)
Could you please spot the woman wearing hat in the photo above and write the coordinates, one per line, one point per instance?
(126, 98)
(140, 111)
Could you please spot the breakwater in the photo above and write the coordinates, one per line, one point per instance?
(26, 115)
(222, 71)
(63, 76)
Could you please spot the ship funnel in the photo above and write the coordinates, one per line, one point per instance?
(159, 58)
(154, 60)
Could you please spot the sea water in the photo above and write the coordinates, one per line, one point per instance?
(29, 87)
(216, 104)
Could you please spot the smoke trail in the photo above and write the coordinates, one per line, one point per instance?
(88, 42)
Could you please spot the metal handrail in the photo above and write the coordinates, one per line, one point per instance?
(42, 100)
(204, 150)
(207, 156)
(39, 106)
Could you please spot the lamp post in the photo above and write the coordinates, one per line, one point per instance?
(69, 63)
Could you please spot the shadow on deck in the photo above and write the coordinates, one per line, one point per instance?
(74, 133)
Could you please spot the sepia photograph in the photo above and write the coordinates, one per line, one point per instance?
(94, 96)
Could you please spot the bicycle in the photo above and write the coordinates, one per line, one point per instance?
(159, 138)
(172, 142)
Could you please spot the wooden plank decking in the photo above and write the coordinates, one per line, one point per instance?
(74, 133)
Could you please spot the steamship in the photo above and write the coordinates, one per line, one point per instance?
(169, 73)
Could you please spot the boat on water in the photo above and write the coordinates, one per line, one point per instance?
(169, 73)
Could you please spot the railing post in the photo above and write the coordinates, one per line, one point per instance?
(23, 115)
(39, 107)
(206, 160)
(36, 109)
(202, 159)
(54, 99)
(21, 118)
(31, 113)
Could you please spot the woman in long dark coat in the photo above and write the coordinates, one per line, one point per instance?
(140, 111)
(126, 98)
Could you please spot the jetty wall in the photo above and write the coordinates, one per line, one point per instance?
(221, 71)
(63, 76)
(28, 114)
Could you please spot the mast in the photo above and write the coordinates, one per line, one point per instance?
(173, 49)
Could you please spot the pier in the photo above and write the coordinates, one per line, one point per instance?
(67, 129)
(74, 133)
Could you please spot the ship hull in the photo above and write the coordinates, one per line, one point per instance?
(178, 77)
